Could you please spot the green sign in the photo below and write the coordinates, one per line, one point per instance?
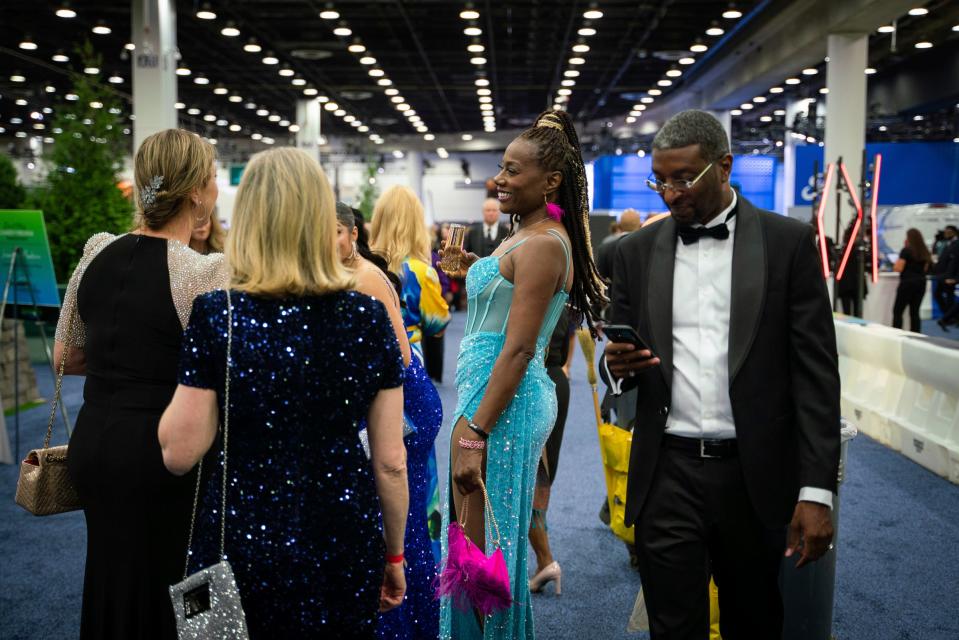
(25, 230)
(236, 174)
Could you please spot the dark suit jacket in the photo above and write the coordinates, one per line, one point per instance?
(783, 371)
(477, 242)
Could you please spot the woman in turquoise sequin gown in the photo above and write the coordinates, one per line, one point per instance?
(505, 398)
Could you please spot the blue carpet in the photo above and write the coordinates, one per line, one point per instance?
(897, 571)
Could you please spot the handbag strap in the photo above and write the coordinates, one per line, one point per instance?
(487, 508)
(226, 431)
(59, 382)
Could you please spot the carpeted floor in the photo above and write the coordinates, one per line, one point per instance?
(897, 572)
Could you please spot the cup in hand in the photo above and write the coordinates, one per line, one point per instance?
(455, 238)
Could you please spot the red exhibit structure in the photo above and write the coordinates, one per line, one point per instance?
(855, 230)
(823, 249)
(877, 166)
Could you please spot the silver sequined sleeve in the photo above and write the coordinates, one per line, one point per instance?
(193, 274)
(75, 334)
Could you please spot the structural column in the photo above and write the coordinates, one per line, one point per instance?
(788, 197)
(308, 119)
(726, 119)
(414, 177)
(154, 67)
(846, 115)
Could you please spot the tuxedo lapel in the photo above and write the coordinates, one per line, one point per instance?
(748, 284)
(659, 296)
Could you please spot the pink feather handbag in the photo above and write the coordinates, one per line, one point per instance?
(469, 577)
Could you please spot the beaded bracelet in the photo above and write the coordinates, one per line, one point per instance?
(472, 444)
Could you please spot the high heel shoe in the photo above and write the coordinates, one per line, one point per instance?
(550, 572)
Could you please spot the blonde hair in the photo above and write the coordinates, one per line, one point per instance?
(168, 167)
(282, 240)
(399, 227)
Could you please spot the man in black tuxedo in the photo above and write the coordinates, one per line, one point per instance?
(735, 454)
(482, 238)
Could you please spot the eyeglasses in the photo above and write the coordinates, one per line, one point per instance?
(679, 187)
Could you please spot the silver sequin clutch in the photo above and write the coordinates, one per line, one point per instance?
(207, 605)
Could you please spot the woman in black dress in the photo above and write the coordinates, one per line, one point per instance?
(132, 296)
(310, 360)
(912, 266)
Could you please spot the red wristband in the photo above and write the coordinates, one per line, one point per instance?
(394, 559)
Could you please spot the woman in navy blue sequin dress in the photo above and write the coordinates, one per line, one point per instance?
(310, 361)
(418, 616)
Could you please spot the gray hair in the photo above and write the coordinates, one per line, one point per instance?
(687, 128)
(344, 215)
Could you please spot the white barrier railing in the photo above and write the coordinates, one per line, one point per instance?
(902, 390)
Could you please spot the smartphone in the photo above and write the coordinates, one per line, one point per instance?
(624, 333)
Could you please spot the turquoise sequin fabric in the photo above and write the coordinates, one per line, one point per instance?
(514, 447)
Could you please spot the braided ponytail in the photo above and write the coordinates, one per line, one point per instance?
(555, 138)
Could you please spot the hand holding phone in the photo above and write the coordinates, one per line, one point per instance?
(626, 352)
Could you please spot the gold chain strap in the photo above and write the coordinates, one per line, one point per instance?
(487, 507)
(60, 370)
(226, 431)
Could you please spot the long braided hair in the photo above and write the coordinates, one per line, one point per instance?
(555, 139)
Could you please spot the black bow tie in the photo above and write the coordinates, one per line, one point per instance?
(691, 235)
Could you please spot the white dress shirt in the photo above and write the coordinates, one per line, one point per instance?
(700, 406)
(489, 231)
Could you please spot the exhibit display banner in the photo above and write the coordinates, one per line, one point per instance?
(26, 230)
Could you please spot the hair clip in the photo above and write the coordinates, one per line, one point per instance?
(148, 193)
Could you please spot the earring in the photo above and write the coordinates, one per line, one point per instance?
(353, 254)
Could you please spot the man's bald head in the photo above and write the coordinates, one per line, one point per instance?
(491, 210)
(629, 221)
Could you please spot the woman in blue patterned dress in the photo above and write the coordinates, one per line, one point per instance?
(506, 401)
(418, 616)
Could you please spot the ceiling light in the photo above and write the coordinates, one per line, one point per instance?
(918, 118)
(262, 112)
(735, 112)
(271, 59)
(687, 61)
(282, 123)
(50, 88)
(286, 72)
(654, 92)
(28, 45)
(766, 119)
(249, 105)
(759, 99)
(486, 107)
(779, 112)
(220, 90)
(201, 79)
(674, 73)
(384, 82)
(810, 71)
(478, 60)
(793, 80)
(886, 28)
(698, 47)
(209, 117)
(429, 137)
(422, 129)
(824, 90)
(732, 13)
(115, 79)
(571, 73)
(298, 82)
(392, 91)
(955, 27)
(367, 60)
(257, 136)
(91, 70)
(483, 92)
(356, 124)
(568, 83)
(331, 106)
(20, 102)
(402, 106)
(342, 31)
(869, 71)
(193, 111)
(476, 48)
(72, 97)
(235, 128)
(630, 120)
(101, 29)
(230, 30)
(356, 47)
(746, 106)
(205, 12)
(274, 118)
(577, 60)
(481, 82)
(329, 14)
(179, 105)
(715, 30)
(593, 14)
(646, 100)
(396, 99)
(467, 137)
(665, 83)
(923, 44)
(587, 31)
(580, 48)
(411, 114)
(472, 31)
(883, 128)
(918, 11)
(235, 98)
(363, 128)
(776, 90)
(65, 11)
(183, 70)
(377, 73)
(59, 56)
(564, 92)
(252, 46)
(469, 14)
(487, 99)
(130, 46)
(349, 118)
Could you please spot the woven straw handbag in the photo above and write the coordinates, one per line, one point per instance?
(44, 487)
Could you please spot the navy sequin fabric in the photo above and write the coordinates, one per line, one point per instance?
(303, 527)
